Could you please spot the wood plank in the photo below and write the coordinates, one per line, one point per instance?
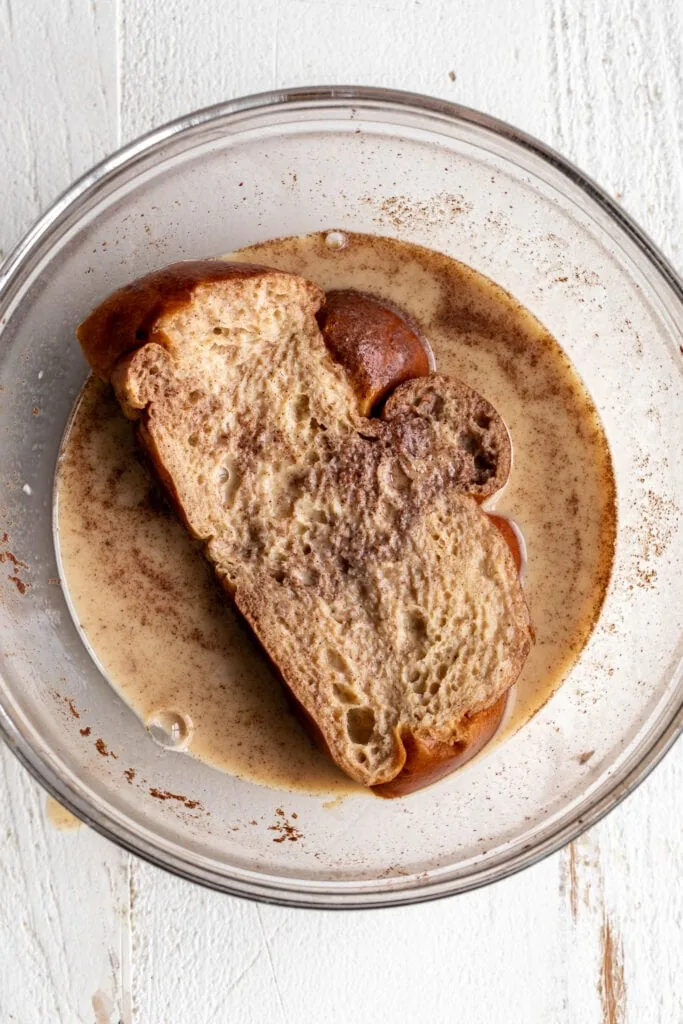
(64, 912)
(628, 874)
(63, 917)
(205, 53)
(617, 83)
(59, 101)
(249, 963)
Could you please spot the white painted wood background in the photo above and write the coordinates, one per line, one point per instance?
(594, 935)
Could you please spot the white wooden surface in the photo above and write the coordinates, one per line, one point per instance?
(593, 935)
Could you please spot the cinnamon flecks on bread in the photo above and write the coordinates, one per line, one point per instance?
(355, 547)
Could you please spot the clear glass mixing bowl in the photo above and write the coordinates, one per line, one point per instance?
(453, 180)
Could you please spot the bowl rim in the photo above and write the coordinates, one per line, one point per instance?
(283, 891)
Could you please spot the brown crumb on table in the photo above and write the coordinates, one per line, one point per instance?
(130, 774)
(86, 731)
(20, 585)
(54, 580)
(35, 411)
(583, 758)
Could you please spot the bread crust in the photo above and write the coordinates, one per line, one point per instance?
(377, 347)
(126, 320)
(428, 760)
(384, 359)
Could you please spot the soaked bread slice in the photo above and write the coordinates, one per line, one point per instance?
(355, 547)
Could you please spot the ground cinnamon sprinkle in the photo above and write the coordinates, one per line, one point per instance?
(86, 731)
(104, 750)
(20, 585)
(285, 829)
(164, 794)
(8, 556)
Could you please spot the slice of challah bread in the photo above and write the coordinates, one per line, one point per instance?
(384, 595)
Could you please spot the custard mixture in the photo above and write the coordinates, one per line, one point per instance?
(164, 634)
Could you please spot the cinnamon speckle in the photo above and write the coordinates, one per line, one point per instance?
(401, 212)
(130, 775)
(165, 794)
(19, 583)
(86, 731)
(285, 830)
(585, 757)
(103, 749)
(659, 517)
(8, 556)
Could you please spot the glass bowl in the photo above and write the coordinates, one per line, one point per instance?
(453, 180)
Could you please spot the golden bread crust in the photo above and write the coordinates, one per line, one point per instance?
(374, 343)
(127, 320)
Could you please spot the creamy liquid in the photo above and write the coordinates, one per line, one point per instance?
(147, 602)
(59, 817)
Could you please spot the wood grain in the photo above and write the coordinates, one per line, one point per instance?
(64, 930)
(593, 934)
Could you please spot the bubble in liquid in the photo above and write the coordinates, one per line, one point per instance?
(335, 239)
(170, 729)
